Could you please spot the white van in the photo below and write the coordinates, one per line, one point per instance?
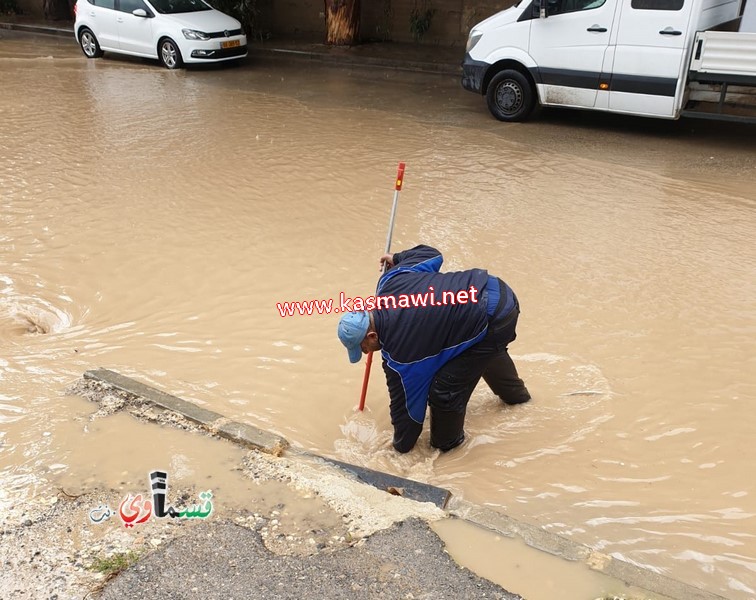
(655, 58)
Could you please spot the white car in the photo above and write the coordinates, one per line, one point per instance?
(173, 31)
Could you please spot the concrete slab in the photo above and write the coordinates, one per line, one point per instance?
(536, 537)
(407, 488)
(214, 422)
(132, 386)
(251, 437)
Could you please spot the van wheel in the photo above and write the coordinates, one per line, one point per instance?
(510, 96)
(169, 54)
(89, 44)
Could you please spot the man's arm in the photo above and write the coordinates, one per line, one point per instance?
(406, 431)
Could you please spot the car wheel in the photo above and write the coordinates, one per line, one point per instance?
(169, 54)
(510, 96)
(89, 44)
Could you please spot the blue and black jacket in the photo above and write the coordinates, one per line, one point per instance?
(417, 340)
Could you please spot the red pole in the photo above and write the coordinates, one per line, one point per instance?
(365, 379)
(397, 188)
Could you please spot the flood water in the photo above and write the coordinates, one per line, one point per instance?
(151, 221)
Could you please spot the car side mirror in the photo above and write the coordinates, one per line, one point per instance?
(139, 12)
(542, 13)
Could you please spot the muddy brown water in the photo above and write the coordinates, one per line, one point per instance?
(152, 220)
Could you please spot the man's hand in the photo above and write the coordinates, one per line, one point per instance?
(387, 261)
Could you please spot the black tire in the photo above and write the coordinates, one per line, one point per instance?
(89, 44)
(169, 54)
(510, 96)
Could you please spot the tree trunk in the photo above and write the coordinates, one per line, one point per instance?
(342, 19)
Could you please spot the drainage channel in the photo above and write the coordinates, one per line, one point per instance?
(516, 555)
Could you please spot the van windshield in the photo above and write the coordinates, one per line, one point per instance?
(169, 7)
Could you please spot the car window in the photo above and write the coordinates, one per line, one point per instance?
(131, 5)
(103, 3)
(179, 6)
(560, 7)
(657, 4)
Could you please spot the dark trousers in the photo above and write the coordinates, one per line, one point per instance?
(455, 381)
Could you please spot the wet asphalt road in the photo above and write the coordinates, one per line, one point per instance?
(224, 561)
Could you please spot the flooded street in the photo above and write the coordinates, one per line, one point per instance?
(151, 220)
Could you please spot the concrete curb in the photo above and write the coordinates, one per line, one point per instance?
(240, 433)
(399, 486)
(362, 61)
(565, 548)
(258, 50)
(252, 437)
(533, 536)
(58, 31)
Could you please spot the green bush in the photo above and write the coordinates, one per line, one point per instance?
(244, 11)
(112, 565)
(421, 19)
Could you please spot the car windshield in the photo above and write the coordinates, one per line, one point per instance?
(169, 7)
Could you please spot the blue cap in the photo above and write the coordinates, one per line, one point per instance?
(353, 328)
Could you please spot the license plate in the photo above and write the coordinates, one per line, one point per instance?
(231, 44)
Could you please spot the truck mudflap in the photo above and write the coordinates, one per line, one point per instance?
(473, 72)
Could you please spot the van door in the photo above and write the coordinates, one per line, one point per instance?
(652, 37)
(569, 47)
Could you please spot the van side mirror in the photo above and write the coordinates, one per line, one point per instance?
(542, 9)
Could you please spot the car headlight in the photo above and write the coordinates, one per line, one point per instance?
(472, 40)
(191, 34)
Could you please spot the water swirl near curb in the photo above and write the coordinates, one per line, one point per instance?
(31, 316)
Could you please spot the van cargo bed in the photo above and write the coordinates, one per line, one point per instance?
(729, 55)
(722, 76)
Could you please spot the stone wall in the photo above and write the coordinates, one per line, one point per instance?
(386, 19)
(32, 8)
(297, 17)
(381, 19)
(62, 10)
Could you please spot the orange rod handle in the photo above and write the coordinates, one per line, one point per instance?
(399, 177)
(366, 379)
